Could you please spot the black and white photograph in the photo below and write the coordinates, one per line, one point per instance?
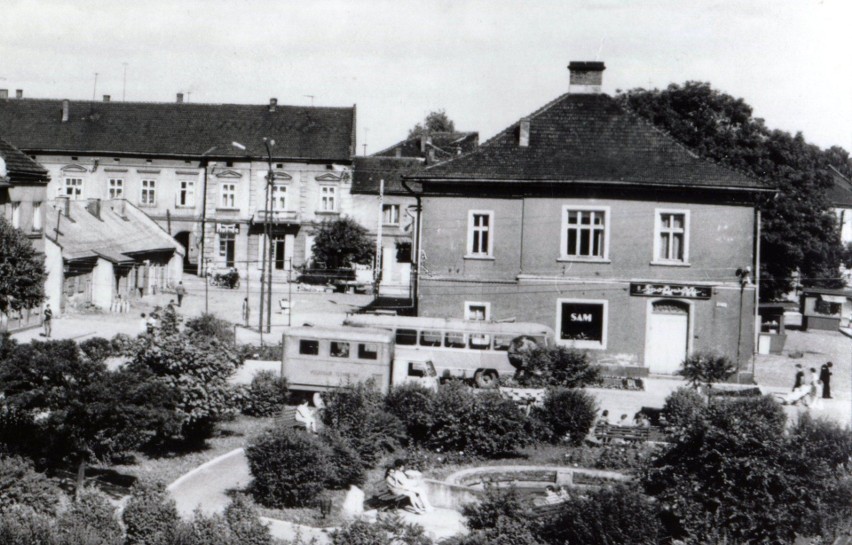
(558, 272)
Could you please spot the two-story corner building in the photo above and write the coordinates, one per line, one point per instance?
(586, 218)
(199, 170)
(23, 192)
(388, 209)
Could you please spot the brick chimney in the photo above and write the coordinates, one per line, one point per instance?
(4, 93)
(586, 77)
(106, 98)
(94, 207)
(524, 132)
(273, 104)
(19, 93)
(66, 107)
(180, 98)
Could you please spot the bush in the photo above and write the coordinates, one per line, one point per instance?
(387, 530)
(289, 468)
(89, 520)
(570, 414)
(209, 326)
(475, 424)
(96, 349)
(268, 352)
(358, 414)
(21, 485)
(243, 520)
(21, 525)
(346, 466)
(123, 345)
(150, 516)
(266, 395)
(413, 404)
(682, 407)
(602, 517)
(557, 366)
(706, 368)
(501, 518)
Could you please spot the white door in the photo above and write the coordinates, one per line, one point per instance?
(666, 341)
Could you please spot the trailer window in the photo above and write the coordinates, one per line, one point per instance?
(502, 342)
(430, 338)
(309, 348)
(478, 341)
(454, 339)
(406, 337)
(368, 351)
(339, 349)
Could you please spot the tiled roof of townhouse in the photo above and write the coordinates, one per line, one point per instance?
(113, 232)
(445, 144)
(588, 138)
(369, 171)
(19, 165)
(178, 129)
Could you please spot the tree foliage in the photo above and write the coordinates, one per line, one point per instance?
(22, 273)
(706, 368)
(150, 516)
(569, 414)
(387, 530)
(797, 230)
(560, 366)
(435, 121)
(341, 243)
(21, 485)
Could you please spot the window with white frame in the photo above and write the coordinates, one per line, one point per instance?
(149, 193)
(480, 233)
(390, 214)
(585, 232)
(671, 242)
(328, 198)
(477, 311)
(37, 212)
(72, 188)
(186, 195)
(116, 188)
(228, 195)
(16, 215)
(582, 323)
(279, 197)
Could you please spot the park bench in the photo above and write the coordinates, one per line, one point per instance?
(546, 510)
(607, 434)
(288, 419)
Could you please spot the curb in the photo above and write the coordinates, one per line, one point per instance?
(191, 473)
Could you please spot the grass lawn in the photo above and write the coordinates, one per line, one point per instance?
(167, 468)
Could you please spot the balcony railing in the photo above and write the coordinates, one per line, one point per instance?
(275, 216)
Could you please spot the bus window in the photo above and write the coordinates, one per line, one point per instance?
(502, 342)
(368, 351)
(406, 337)
(309, 348)
(454, 339)
(339, 349)
(430, 338)
(478, 341)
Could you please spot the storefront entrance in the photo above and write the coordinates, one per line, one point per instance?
(667, 336)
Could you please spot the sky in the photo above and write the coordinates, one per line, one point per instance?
(487, 63)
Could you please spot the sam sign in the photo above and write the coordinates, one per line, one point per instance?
(681, 291)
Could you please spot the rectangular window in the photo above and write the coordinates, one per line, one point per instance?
(430, 338)
(581, 323)
(480, 236)
(454, 339)
(37, 212)
(407, 337)
(584, 233)
(73, 188)
(328, 194)
(116, 188)
(16, 215)
(186, 197)
(479, 341)
(228, 196)
(149, 193)
(477, 311)
(502, 342)
(339, 349)
(279, 197)
(672, 237)
(309, 348)
(390, 214)
(368, 351)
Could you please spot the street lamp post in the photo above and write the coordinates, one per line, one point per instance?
(266, 260)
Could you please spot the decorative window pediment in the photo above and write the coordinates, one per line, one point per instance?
(283, 176)
(228, 173)
(329, 177)
(74, 167)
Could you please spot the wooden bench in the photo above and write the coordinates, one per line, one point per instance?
(607, 434)
(546, 510)
(288, 419)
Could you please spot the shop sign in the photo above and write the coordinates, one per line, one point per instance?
(227, 228)
(670, 290)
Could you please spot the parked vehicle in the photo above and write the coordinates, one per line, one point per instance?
(224, 278)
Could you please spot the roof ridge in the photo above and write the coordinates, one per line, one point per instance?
(181, 104)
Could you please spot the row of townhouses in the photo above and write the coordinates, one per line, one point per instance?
(581, 216)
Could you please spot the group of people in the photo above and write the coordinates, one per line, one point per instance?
(554, 495)
(640, 420)
(809, 387)
(407, 482)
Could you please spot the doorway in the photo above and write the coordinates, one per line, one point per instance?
(278, 250)
(667, 336)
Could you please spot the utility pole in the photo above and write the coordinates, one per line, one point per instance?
(377, 272)
(267, 244)
(124, 86)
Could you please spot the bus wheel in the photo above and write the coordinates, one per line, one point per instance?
(485, 379)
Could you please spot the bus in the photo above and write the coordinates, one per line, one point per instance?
(477, 350)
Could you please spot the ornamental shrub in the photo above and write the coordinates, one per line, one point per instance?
(208, 326)
(20, 525)
(501, 518)
(413, 404)
(569, 413)
(243, 520)
(346, 466)
(96, 349)
(705, 368)
(266, 395)
(387, 530)
(21, 485)
(150, 516)
(557, 366)
(89, 520)
(682, 407)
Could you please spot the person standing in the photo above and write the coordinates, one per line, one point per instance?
(825, 376)
(48, 319)
(800, 376)
(246, 311)
(180, 291)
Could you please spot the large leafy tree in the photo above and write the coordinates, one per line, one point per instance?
(21, 271)
(340, 243)
(435, 121)
(797, 230)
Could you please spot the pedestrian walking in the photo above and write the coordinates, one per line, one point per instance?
(180, 291)
(825, 377)
(800, 376)
(48, 319)
(246, 311)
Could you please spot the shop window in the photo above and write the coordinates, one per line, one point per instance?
(581, 323)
